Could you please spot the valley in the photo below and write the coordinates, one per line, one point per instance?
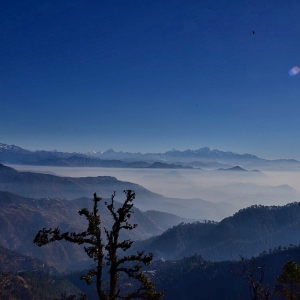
(195, 221)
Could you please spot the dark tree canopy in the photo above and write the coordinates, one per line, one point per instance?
(288, 283)
(104, 248)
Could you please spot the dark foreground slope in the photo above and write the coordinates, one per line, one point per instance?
(34, 286)
(190, 278)
(194, 278)
(26, 278)
(12, 261)
(248, 232)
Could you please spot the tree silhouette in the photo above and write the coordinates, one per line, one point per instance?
(288, 283)
(253, 273)
(105, 250)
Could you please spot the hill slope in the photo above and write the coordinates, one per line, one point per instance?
(248, 232)
(23, 277)
(21, 218)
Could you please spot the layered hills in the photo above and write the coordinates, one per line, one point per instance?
(37, 185)
(21, 218)
(188, 255)
(248, 232)
(191, 257)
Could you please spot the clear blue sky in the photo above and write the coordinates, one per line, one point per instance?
(150, 76)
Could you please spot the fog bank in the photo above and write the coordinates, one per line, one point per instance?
(238, 188)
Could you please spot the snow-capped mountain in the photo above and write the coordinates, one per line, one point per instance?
(173, 155)
(206, 152)
(12, 148)
(211, 158)
(12, 154)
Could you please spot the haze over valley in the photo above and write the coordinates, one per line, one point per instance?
(192, 217)
(207, 205)
(230, 180)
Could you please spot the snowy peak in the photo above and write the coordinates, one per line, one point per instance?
(12, 148)
(207, 152)
(112, 154)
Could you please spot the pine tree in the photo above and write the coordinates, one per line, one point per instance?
(288, 283)
(104, 248)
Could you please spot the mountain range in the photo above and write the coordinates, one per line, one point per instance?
(11, 154)
(204, 152)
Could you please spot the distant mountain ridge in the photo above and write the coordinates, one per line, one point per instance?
(207, 152)
(204, 152)
(17, 155)
(237, 169)
(11, 154)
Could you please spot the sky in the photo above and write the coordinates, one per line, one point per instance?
(150, 76)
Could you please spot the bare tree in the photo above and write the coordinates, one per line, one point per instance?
(254, 274)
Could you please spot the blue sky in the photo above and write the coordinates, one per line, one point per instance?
(150, 76)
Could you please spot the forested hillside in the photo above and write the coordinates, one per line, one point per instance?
(26, 278)
(195, 278)
(248, 232)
